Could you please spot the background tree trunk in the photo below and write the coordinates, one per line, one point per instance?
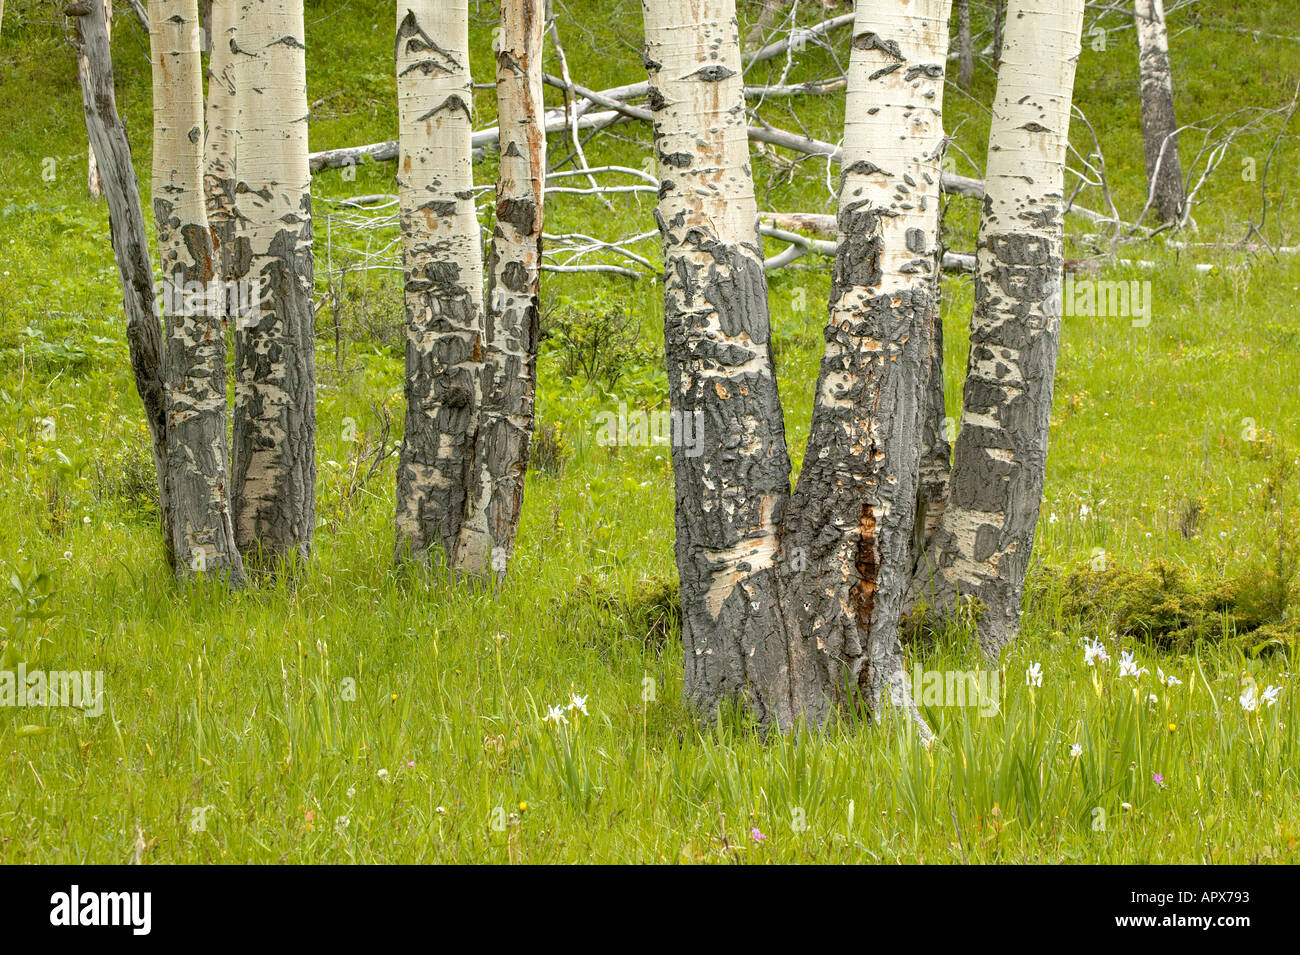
(126, 229)
(966, 53)
(510, 376)
(444, 278)
(275, 385)
(194, 358)
(852, 515)
(999, 24)
(987, 531)
(1159, 128)
(221, 120)
(731, 497)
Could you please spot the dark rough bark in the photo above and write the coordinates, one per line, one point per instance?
(126, 228)
(935, 466)
(998, 468)
(1159, 127)
(853, 512)
(274, 443)
(730, 497)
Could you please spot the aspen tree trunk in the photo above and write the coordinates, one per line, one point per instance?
(194, 357)
(965, 51)
(275, 386)
(987, 531)
(126, 228)
(999, 26)
(1159, 128)
(852, 515)
(500, 458)
(94, 184)
(731, 498)
(221, 119)
(443, 265)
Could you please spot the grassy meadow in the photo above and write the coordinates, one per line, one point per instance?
(359, 715)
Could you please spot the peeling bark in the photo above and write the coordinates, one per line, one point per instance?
(194, 357)
(94, 182)
(443, 265)
(275, 367)
(852, 514)
(987, 531)
(500, 459)
(126, 228)
(730, 500)
(1159, 128)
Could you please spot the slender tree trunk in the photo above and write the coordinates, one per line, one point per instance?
(987, 531)
(766, 17)
(221, 121)
(935, 469)
(94, 183)
(444, 279)
(1159, 128)
(999, 24)
(854, 507)
(275, 384)
(966, 53)
(496, 491)
(731, 497)
(194, 359)
(126, 228)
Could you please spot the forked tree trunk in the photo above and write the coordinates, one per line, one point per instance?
(496, 492)
(853, 510)
(965, 52)
(443, 265)
(793, 602)
(1159, 128)
(194, 358)
(126, 229)
(987, 531)
(731, 498)
(221, 120)
(275, 385)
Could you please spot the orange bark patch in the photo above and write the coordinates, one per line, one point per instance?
(863, 594)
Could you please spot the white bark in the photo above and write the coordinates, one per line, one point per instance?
(194, 344)
(275, 387)
(222, 118)
(444, 281)
(987, 531)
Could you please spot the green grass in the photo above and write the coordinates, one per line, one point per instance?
(363, 716)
